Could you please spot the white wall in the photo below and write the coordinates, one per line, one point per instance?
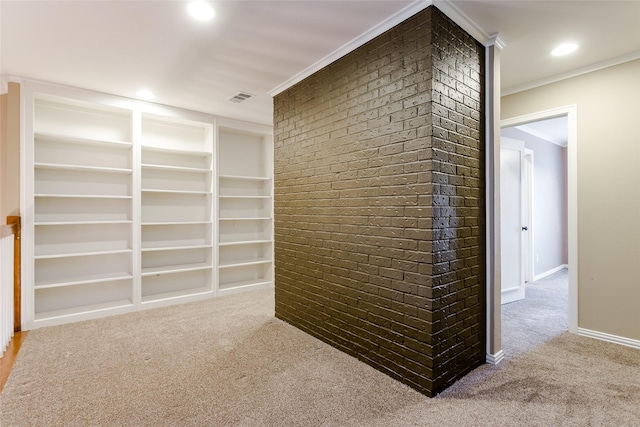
(549, 226)
(608, 181)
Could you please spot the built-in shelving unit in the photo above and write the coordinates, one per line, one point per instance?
(177, 208)
(245, 209)
(130, 205)
(82, 207)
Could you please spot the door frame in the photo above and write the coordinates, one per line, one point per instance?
(528, 214)
(570, 111)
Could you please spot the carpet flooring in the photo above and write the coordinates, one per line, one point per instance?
(229, 362)
(542, 315)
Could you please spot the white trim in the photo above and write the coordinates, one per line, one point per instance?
(571, 111)
(541, 135)
(5, 80)
(26, 209)
(496, 40)
(609, 338)
(573, 73)
(549, 272)
(494, 359)
(350, 46)
(467, 24)
(528, 164)
(445, 6)
(492, 205)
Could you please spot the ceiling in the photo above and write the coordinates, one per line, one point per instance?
(261, 46)
(554, 130)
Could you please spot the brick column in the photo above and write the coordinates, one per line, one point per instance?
(379, 203)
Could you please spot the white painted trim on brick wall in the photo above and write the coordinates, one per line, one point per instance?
(609, 338)
(363, 38)
(573, 73)
(494, 359)
(571, 111)
(549, 272)
(492, 205)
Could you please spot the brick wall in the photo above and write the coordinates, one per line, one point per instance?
(379, 203)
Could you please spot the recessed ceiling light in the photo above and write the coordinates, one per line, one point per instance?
(201, 11)
(564, 49)
(145, 94)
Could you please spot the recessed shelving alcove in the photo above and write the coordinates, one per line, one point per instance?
(131, 205)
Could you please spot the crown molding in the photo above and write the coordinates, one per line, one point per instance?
(6, 79)
(448, 8)
(497, 41)
(363, 38)
(573, 73)
(460, 18)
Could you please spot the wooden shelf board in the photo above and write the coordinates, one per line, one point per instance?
(78, 140)
(243, 177)
(169, 269)
(80, 254)
(97, 222)
(74, 311)
(261, 218)
(245, 242)
(174, 248)
(236, 286)
(244, 263)
(193, 153)
(82, 168)
(244, 197)
(82, 196)
(84, 280)
(146, 299)
(174, 168)
(177, 223)
(189, 192)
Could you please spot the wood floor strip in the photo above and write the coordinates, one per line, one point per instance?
(9, 357)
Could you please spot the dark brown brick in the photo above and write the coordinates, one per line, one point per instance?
(379, 234)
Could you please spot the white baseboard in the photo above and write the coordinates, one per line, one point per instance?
(549, 272)
(494, 359)
(609, 338)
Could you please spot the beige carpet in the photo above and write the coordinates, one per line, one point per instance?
(228, 362)
(541, 316)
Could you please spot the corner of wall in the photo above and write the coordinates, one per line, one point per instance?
(379, 177)
(10, 184)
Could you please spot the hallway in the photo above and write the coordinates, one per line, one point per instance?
(542, 315)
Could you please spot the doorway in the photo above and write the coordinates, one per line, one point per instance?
(533, 233)
(570, 114)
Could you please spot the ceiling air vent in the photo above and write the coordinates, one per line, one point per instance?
(239, 97)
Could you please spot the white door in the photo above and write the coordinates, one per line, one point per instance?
(512, 217)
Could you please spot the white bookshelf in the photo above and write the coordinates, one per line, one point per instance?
(129, 206)
(245, 209)
(82, 207)
(176, 186)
